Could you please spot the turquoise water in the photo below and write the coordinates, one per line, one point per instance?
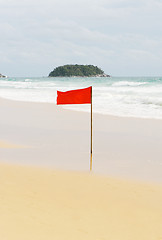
(118, 96)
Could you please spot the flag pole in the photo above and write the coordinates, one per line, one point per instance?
(91, 134)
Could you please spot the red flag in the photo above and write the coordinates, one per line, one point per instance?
(79, 96)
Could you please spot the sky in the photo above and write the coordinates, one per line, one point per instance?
(122, 37)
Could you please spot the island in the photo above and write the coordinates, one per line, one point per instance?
(78, 71)
(2, 76)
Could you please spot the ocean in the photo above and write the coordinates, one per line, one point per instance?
(118, 96)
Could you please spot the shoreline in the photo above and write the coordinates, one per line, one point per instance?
(128, 97)
(84, 112)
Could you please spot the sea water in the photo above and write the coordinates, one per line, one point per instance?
(118, 96)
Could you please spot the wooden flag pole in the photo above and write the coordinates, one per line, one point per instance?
(78, 96)
(91, 134)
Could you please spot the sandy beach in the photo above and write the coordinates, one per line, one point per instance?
(46, 190)
(43, 204)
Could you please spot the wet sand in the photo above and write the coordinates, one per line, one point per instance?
(58, 138)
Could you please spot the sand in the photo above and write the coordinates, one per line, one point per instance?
(9, 145)
(125, 147)
(47, 191)
(43, 204)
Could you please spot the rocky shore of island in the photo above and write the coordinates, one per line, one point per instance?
(2, 76)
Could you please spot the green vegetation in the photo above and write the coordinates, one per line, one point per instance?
(77, 70)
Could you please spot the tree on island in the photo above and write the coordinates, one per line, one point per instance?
(77, 70)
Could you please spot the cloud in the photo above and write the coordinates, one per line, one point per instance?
(114, 34)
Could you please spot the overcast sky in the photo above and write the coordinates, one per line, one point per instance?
(122, 37)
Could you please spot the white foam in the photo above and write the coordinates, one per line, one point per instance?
(114, 97)
(127, 83)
